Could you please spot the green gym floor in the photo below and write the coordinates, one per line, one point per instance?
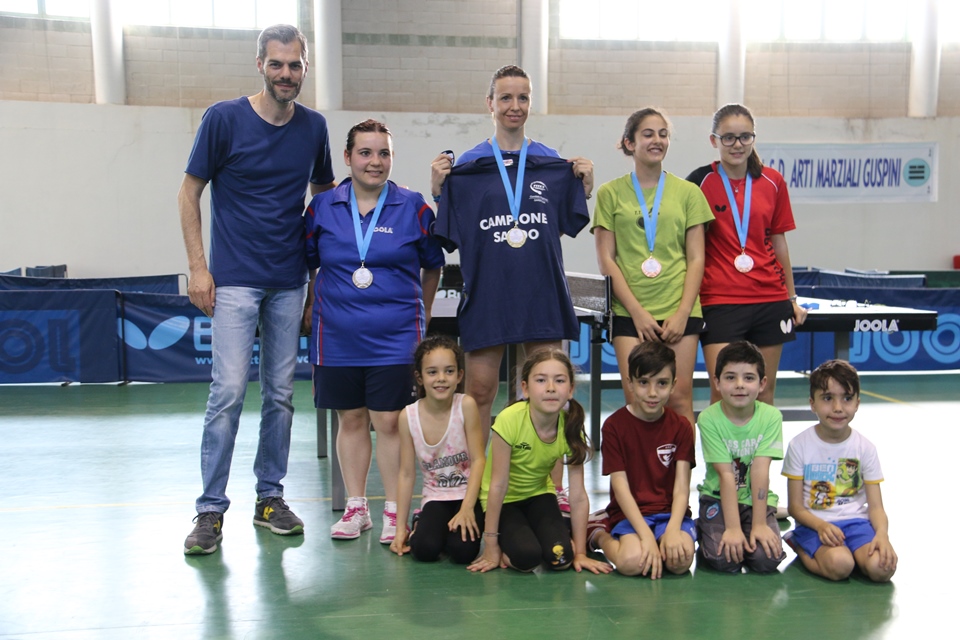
(100, 483)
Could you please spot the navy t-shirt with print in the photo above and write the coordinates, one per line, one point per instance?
(512, 295)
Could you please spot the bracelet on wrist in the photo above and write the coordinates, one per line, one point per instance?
(493, 534)
(793, 298)
(436, 198)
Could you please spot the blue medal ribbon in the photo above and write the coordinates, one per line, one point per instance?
(363, 241)
(514, 193)
(650, 217)
(742, 223)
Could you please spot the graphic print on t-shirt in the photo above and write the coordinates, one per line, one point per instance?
(739, 473)
(848, 477)
(832, 483)
(665, 453)
(453, 479)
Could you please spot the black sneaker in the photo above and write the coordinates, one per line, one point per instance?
(205, 535)
(274, 514)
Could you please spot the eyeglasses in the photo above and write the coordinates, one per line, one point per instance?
(728, 139)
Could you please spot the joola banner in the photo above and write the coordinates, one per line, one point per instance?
(885, 172)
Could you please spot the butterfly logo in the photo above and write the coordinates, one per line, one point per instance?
(720, 207)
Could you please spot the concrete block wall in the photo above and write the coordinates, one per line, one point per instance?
(856, 80)
(192, 67)
(438, 55)
(424, 55)
(948, 100)
(610, 78)
(45, 60)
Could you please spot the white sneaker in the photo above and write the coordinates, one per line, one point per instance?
(355, 519)
(389, 525)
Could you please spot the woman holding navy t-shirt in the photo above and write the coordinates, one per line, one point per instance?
(379, 266)
(508, 100)
(504, 207)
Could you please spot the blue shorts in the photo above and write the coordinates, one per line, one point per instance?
(657, 523)
(386, 388)
(857, 532)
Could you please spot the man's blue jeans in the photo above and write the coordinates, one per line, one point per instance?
(238, 312)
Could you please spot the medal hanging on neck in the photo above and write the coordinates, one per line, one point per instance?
(650, 267)
(742, 262)
(363, 277)
(516, 237)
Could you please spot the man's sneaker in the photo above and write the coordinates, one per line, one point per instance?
(274, 514)
(355, 519)
(597, 522)
(389, 526)
(205, 535)
(563, 501)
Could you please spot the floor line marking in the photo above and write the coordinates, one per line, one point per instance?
(882, 397)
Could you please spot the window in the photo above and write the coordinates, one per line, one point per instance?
(825, 20)
(763, 20)
(47, 8)
(224, 14)
(632, 20)
(949, 20)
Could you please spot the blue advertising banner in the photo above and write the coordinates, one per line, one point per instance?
(58, 336)
(873, 345)
(87, 336)
(167, 339)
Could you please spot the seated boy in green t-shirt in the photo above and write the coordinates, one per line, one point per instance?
(740, 436)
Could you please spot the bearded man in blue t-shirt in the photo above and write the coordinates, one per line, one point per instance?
(258, 153)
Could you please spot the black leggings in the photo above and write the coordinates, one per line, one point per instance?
(533, 531)
(432, 536)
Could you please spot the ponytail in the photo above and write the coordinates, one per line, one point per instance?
(754, 164)
(576, 435)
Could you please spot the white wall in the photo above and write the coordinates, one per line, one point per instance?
(94, 186)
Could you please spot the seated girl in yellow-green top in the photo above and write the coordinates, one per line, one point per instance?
(523, 526)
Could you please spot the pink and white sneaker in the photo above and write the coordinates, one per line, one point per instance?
(355, 519)
(389, 523)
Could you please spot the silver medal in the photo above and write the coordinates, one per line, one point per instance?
(516, 237)
(743, 263)
(362, 278)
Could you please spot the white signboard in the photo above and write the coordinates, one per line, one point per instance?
(894, 172)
